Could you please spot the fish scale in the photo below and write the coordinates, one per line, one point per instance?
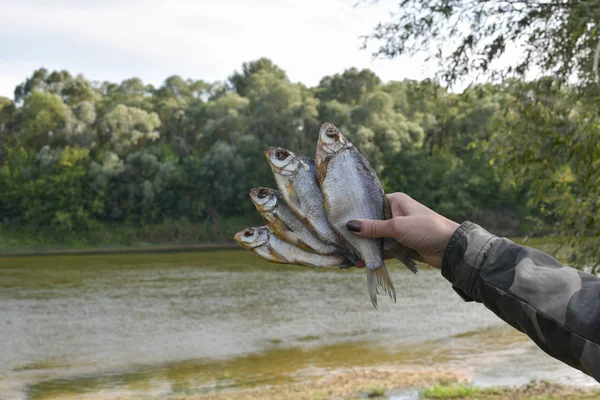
(351, 194)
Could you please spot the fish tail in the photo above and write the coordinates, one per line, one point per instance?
(403, 254)
(380, 278)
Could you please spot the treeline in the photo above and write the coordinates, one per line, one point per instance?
(79, 159)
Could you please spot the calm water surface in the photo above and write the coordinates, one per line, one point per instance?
(164, 324)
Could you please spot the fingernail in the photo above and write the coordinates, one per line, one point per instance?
(353, 226)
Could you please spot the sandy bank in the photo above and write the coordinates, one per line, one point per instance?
(360, 383)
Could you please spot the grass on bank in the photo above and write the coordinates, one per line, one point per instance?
(375, 391)
(542, 390)
(174, 232)
(453, 390)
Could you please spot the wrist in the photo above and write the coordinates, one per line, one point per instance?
(448, 229)
(464, 257)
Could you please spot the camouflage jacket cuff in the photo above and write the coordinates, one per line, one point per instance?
(463, 257)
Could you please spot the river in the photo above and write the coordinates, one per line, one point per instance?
(178, 323)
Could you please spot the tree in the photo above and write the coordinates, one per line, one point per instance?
(78, 156)
(42, 120)
(131, 92)
(280, 111)
(36, 82)
(548, 135)
(241, 80)
(7, 111)
(125, 128)
(551, 138)
(55, 194)
(78, 90)
(71, 89)
(225, 118)
(468, 37)
(348, 87)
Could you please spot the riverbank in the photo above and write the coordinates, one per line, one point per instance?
(168, 236)
(142, 248)
(171, 236)
(402, 385)
(22, 245)
(383, 383)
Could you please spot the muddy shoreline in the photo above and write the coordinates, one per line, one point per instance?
(384, 383)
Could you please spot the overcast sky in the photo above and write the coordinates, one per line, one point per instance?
(118, 39)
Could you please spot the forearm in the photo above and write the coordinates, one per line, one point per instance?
(558, 307)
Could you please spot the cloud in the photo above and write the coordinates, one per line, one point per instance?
(115, 40)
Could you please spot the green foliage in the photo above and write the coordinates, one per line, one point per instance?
(348, 87)
(127, 128)
(42, 120)
(551, 138)
(532, 391)
(453, 390)
(241, 80)
(374, 391)
(468, 37)
(79, 160)
(543, 136)
(449, 391)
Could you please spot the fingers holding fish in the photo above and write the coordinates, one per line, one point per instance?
(402, 204)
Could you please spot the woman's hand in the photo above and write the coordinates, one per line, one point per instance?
(412, 225)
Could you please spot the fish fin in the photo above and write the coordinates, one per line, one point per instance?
(347, 250)
(276, 257)
(310, 162)
(293, 199)
(279, 226)
(321, 171)
(380, 278)
(346, 264)
(285, 233)
(403, 254)
(387, 208)
(307, 264)
(303, 245)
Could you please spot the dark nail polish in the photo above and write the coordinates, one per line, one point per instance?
(353, 226)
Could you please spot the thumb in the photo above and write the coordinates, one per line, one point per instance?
(373, 228)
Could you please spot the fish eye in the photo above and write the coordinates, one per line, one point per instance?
(262, 193)
(249, 232)
(332, 133)
(281, 154)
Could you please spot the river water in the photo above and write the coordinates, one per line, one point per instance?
(180, 323)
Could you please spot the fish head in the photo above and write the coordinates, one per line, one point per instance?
(264, 198)
(250, 238)
(331, 140)
(283, 161)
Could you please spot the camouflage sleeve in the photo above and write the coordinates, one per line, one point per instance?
(558, 307)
